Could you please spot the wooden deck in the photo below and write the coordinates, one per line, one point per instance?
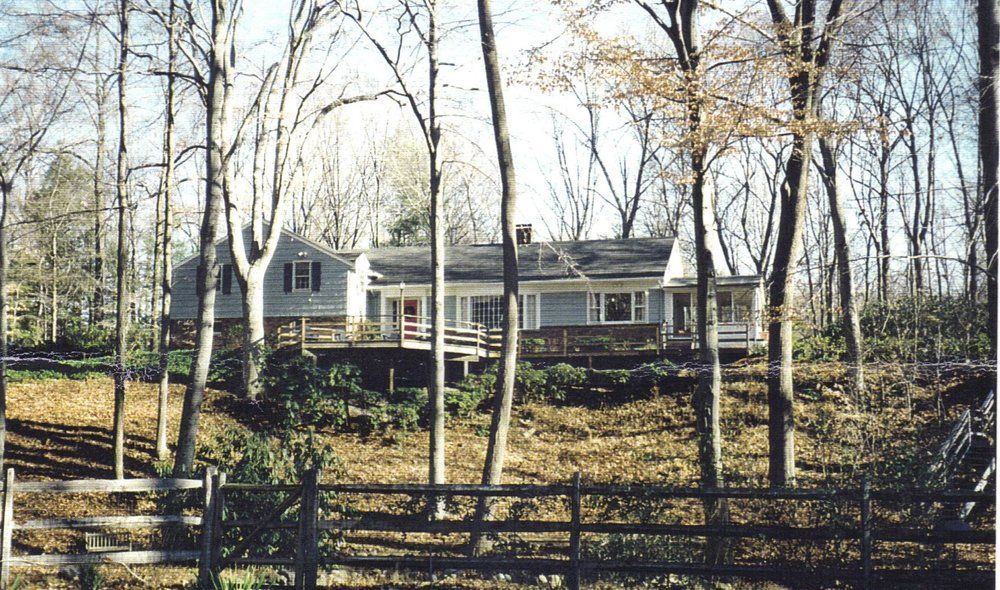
(462, 340)
(472, 342)
(628, 340)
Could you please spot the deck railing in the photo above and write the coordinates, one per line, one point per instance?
(403, 330)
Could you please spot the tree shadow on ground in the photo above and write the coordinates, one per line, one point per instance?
(44, 450)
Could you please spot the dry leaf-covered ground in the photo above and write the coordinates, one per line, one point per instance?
(60, 429)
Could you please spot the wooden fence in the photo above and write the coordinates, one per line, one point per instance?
(223, 543)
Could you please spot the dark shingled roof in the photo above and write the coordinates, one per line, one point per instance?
(540, 261)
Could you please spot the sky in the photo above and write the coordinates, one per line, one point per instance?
(521, 25)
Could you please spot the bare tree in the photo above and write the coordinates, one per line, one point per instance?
(988, 19)
(218, 82)
(421, 18)
(121, 288)
(496, 449)
(167, 188)
(796, 38)
(572, 194)
(848, 307)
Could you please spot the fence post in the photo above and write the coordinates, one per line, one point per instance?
(8, 529)
(218, 492)
(207, 529)
(307, 551)
(866, 534)
(574, 535)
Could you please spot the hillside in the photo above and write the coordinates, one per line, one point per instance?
(59, 430)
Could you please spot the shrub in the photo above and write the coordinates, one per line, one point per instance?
(651, 379)
(78, 335)
(252, 457)
(303, 395)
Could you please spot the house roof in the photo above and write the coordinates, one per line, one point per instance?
(727, 281)
(540, 261)
(344, 257)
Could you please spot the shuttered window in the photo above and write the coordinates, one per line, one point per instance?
(303, 275)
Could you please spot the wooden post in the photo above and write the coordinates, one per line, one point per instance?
(574, 535)
(392, 375)
(866, 534)
(207, 529)
(8, 529)
(302, 333)
(307, 551)
(218, 493)
(565, 343)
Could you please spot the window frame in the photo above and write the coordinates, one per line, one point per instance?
(597, 300)
(464, 307)
(295, 275)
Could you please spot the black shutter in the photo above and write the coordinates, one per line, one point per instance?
(288, 277)
(317, 275)
(198, 276)
(227, 279)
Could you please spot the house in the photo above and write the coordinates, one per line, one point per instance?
(586, 299)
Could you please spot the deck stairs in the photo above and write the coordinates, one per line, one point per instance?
(966, 460)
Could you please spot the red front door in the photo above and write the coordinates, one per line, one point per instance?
(411, 312)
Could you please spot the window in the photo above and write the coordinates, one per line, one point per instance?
(487, 310)
(724, 303)
(639, 306)
(594, 309)
(527, 312)
(617, 308)
(302, 277)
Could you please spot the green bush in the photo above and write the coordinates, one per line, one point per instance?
(257, 458)
(303, 395)
(80, 336)
(906, 329)
(651, 379)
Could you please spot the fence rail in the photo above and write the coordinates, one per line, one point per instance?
(225, 542)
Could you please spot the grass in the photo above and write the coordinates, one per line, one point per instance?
(60, 429)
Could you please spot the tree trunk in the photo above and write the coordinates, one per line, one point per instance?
(162, 450)
(5, 190)
(122, 292)
(436, 470)
(708, 391)
(55, 287)
(788, 248)
(97, 297)
(496, 449)
(848, 309)
(253, 332)
(988, 18)
(217, 106)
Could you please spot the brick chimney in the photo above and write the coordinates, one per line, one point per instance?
(523, 234)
